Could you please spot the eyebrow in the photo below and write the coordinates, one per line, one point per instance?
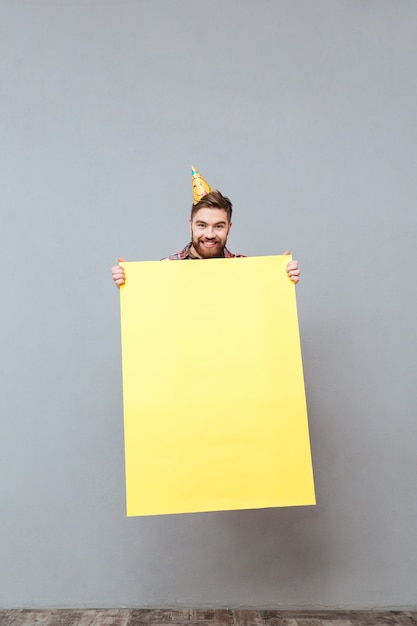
(215, 224)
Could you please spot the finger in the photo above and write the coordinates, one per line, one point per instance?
(287, 252)
(120, 260)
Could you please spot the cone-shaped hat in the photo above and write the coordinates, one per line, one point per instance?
(200, 186)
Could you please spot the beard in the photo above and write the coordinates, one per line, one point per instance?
(215, 251)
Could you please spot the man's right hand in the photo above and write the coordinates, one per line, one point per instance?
(118, 274)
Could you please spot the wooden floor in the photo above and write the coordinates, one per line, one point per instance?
(200, 617)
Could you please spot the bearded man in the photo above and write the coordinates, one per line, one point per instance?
(210, 224)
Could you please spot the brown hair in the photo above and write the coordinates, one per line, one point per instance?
(213, 200)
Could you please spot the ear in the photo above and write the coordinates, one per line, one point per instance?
(230, 226)
(189, 221)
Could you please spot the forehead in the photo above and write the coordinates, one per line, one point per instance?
(210, 216)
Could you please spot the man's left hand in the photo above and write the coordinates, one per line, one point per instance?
(292, 270)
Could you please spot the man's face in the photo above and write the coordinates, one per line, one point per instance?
(209, 231)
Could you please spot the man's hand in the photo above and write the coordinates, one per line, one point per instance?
(118, 274)
(292, 270)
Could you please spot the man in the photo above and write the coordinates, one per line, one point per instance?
(210, 224)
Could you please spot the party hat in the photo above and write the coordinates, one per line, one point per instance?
(200, 186)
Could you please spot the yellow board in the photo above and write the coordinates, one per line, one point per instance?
(214, 403)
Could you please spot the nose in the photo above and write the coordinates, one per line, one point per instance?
(209, 232)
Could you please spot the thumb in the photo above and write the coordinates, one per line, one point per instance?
(287, 252)
(119, 259)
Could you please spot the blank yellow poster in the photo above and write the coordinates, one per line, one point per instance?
(214, 403)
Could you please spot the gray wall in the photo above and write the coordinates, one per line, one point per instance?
(304, 113)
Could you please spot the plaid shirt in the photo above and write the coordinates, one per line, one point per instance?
(185, 254)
